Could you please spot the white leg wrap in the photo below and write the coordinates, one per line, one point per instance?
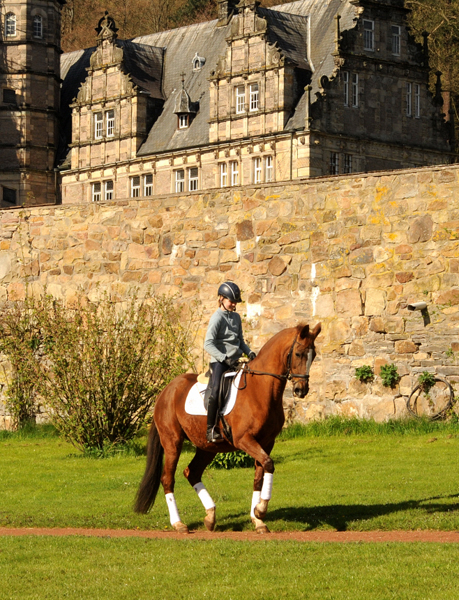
(255, 501)
(267, 486)
(172, 506)
(204, 495)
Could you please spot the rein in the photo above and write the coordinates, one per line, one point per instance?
(288, 375)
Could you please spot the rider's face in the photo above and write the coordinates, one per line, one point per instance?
(228, 304)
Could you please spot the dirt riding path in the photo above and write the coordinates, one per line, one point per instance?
(249, 536)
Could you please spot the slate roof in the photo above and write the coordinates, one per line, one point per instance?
(304, 31)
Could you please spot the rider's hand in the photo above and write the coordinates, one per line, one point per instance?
(252, 355)
(231, 362)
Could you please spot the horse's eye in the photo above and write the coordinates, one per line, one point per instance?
(297, 354)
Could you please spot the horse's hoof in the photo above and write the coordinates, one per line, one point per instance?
(180, 527)
(260, 527)
(261, 509)
(209, 519)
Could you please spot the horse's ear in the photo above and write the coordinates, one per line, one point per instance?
(317, 329)
(304, 332)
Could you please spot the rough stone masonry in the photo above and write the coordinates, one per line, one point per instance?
(350, 251)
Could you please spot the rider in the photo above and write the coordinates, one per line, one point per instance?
(225, 344)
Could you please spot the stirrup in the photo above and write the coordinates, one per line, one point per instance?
(214, 436)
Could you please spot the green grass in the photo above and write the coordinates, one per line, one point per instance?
(134, 569)
(345, 481)
(337, 475)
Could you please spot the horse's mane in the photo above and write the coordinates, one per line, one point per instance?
(288, 332)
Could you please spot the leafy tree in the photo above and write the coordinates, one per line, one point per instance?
(440, 20)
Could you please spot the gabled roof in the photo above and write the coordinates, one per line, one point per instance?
(304, 31)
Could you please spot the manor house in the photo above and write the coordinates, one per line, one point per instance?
(303, 89)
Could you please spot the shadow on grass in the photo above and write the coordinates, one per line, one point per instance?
(338, 516)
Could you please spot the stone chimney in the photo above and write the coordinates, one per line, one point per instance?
(226, 9)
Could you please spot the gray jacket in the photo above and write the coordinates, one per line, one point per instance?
(224, 337)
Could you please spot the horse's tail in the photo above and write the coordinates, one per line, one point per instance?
(149, 485)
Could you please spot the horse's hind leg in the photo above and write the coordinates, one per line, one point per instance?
(172, 455)
(193, 473)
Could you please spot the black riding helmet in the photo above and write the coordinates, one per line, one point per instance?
(231, 291)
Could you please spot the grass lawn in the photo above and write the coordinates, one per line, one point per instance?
(361, 481)
(346, 479)
(134, 569)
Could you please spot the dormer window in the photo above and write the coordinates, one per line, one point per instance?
(104, 122)
(198, 62)
(184, 108)
(10, 25)
(37, 27)
(183, 121)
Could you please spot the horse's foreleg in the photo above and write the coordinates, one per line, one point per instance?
(194, 473)
(262, 487)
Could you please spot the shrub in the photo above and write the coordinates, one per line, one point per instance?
(232, 460)
(364, 373)
(19, 343)
(99, 367)
(389, 375)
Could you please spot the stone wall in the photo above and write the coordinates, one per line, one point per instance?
(348, 251)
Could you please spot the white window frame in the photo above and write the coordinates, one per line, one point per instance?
(396, 33)
(257, 170)
(408, 99)
(179, 180)
(10, 25)
(37, 26)
(135, 186)
(96, 191)
(148, 184)
(346, 87)
(240, 99)
(108, 190)
(368, 35)
(347, 163)
(234, 172)
(254, 97)
(98, 125)
(269, 168)
(183, 121)
(355, 90)
(193, 179)
(417, 101)
(223, 174)
(110, 123)
(334, 163)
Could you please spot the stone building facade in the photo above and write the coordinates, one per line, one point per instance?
(304, 89)
(29, 101)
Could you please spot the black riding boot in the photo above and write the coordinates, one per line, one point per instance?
(213, 432)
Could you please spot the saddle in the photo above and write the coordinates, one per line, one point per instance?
(224, 391)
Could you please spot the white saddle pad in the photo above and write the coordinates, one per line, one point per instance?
(194, 403)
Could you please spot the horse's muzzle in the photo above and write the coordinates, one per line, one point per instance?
(300, 389)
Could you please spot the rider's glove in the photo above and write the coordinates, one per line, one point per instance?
(231, 362)
(252, 355)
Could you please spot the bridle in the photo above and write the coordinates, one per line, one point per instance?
(288, 375)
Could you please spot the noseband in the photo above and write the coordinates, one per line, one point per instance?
(289, 375)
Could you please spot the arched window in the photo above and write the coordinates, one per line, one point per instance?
(10, 24)
(37, 27)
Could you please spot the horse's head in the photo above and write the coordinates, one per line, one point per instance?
(301, 355)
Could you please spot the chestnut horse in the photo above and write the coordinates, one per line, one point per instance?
(255, 421)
